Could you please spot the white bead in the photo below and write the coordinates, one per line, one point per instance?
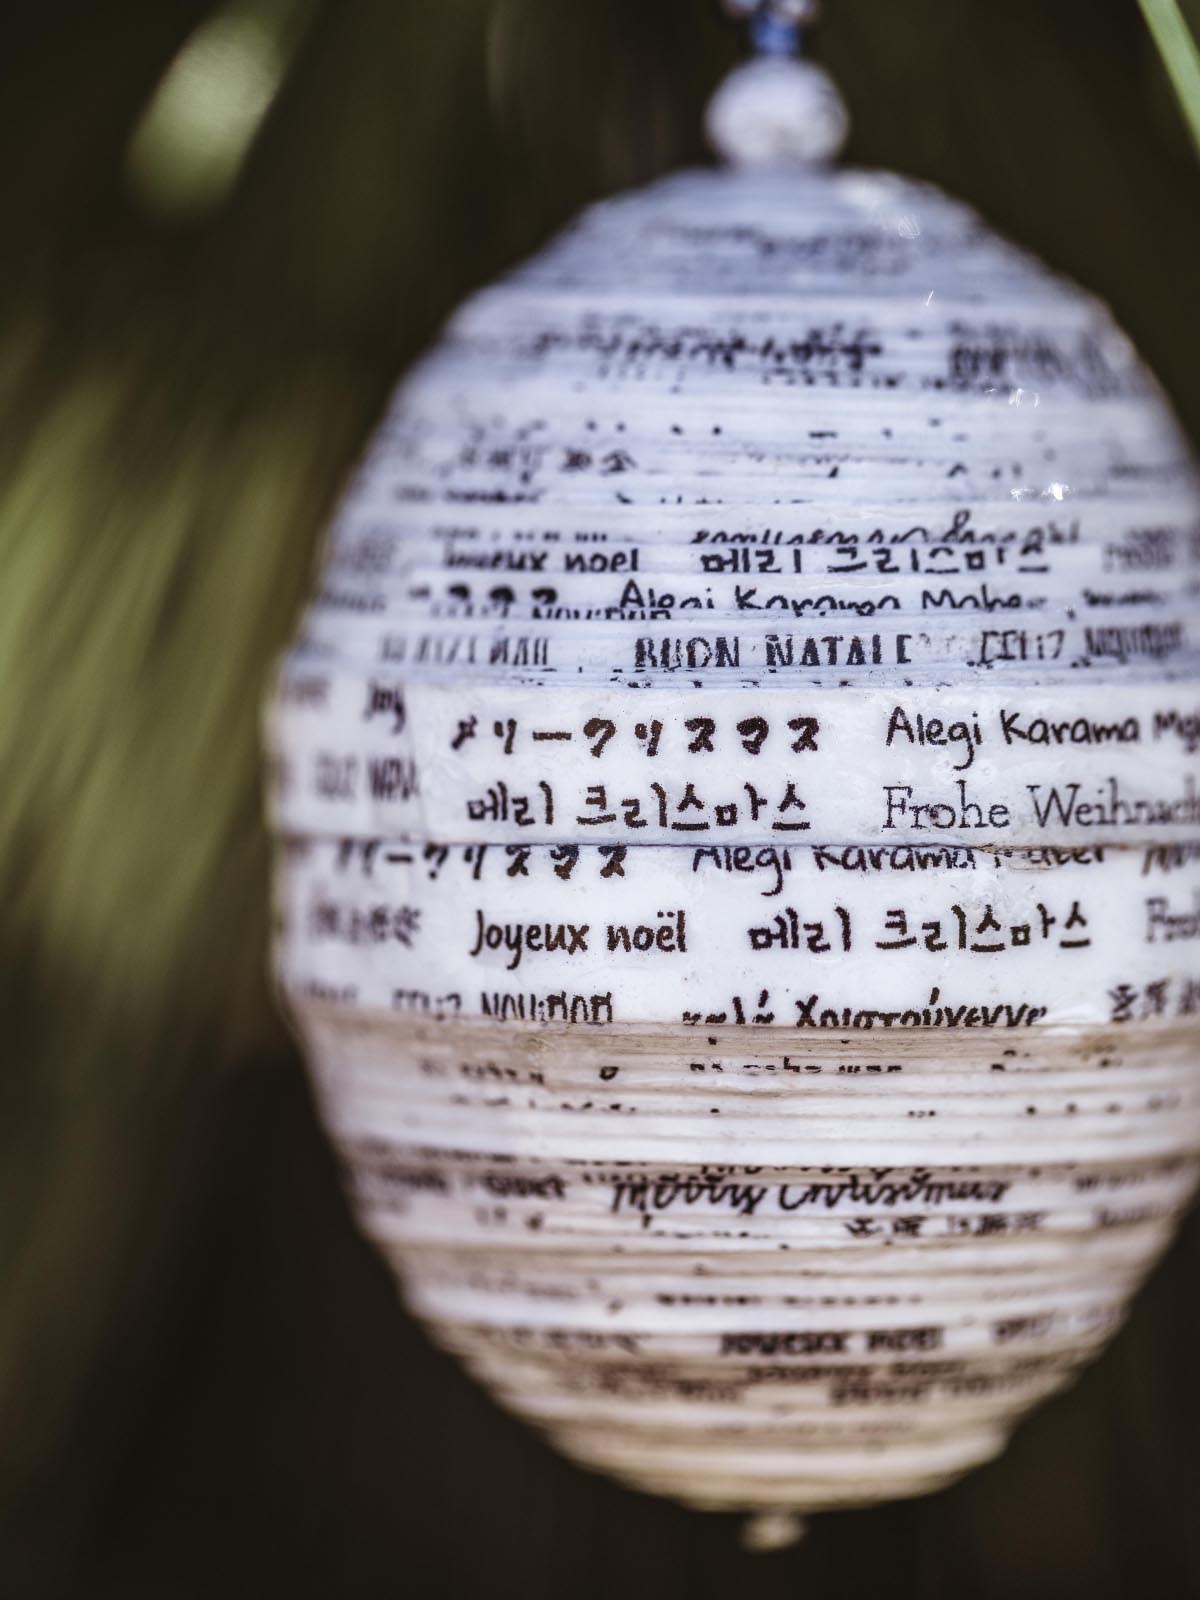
(772, 1530)
(772, 112)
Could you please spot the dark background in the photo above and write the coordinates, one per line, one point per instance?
(207, 1387)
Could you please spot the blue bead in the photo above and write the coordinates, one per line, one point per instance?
(773, 37)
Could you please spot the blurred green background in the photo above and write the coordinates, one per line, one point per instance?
(207, 1387)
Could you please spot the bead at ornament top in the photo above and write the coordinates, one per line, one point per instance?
(774, 112)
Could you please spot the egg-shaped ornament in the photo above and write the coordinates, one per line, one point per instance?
(739, 835)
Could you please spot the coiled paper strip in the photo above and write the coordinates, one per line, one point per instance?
(739, 837)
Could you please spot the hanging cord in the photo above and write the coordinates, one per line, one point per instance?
(777, 27)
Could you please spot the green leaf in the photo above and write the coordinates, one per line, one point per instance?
(1180, 56)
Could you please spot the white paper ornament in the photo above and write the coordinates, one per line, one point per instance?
(739, 882)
